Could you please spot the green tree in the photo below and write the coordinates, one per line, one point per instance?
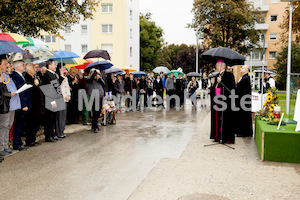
(281, 64)
(295, 23)
(227, 23)
(30, 17)
(151, 42)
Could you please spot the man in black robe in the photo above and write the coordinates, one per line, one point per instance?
(244, 115)
(222, 121)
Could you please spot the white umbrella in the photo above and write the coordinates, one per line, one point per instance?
(159, 69)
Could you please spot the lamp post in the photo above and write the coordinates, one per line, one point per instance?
(288, 78)
(197, 52)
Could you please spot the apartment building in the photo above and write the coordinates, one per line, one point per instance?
(115, 28)
(273, 12)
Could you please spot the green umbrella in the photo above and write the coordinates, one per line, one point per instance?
(175, 72)
(35, 42)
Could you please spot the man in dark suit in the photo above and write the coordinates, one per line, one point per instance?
(19, 80)
(33, 117)
(50, 115)
(180, 86)
(244, 116)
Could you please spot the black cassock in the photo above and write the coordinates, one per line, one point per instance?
(244, 118)
(222, 122)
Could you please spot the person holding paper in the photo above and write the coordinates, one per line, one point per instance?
(18, 78)
(7, 116)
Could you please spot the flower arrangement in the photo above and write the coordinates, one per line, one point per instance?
(266, 114)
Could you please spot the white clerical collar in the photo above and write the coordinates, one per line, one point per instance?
(51, 71)
(222, 71)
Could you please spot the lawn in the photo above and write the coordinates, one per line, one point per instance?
(282, 104)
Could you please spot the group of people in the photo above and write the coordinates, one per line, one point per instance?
(236, 117)
(53, 99)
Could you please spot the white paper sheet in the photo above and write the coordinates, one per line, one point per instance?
(297, 111)
(23, 88)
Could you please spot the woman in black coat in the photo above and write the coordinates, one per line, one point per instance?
(159, 90)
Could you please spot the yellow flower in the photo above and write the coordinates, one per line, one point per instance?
(272, 105)
(271, 114)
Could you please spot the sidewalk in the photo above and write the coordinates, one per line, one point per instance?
(218, 172)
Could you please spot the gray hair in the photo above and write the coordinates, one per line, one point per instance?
(247, 67)
(17, 64)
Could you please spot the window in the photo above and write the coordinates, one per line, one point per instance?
(107, 47)
(107, 28)
(84, 48)
(273, 36)
(257, 55)
(68, 29)
(68, 47)
(130, 14)
(273, 18)
(272, 55)
(83, 29)
(131, 51)
(107, 8)
(48, 38)
(131, 33)
(274, 1)
(262, 37)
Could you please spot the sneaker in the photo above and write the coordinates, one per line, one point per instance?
(4, 153)
(8, 150)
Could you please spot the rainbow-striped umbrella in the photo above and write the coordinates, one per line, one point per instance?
(13, 37)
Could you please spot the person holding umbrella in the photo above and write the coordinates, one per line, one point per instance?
(119, 87)
(191, 88)
(159, 90)
(221, 121)
(143, 93)
(204, 85)
(170, 87)
(95, 83)
(180, 87)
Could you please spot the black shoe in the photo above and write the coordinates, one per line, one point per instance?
(85, 124)
(8, 150)
(1, 159)
(21, 148)
(57, 138)
(95, 130)
(34, 144)
(4, 153)
(68, 123)
(49, 140)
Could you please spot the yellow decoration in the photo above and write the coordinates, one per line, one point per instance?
(8, 80)
(271, 114)
(272, 105)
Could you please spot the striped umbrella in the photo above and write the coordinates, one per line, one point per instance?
(35, 42)
(13, 37)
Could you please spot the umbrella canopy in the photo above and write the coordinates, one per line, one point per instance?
(34, 42)
(13, 37)
(128, 69)
(266, 70)
(230, 56)
(78, 61)
(175, 72)
(27, 57)
(101, 65)
(159, 69)
(65, 55)
(195, 74)
(39, 52)
(9, 47)
(139, 74)
(112, 70)
(97, 53)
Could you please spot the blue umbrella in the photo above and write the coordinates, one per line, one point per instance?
(101, 65)
(139, 74)
(9, 47)
(64, 55)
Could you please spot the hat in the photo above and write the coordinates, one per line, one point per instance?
(221, 61)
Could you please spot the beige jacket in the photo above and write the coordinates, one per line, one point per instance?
(65, 88)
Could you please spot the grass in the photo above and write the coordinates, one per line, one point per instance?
(282, 104)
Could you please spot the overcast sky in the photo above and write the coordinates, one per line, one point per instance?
(172, 16)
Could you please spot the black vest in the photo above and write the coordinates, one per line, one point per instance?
(204, 83)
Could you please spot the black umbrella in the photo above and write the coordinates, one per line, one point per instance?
(97, 53)
(229, 56)
(195, 74)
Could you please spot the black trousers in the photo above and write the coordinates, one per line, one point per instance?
(18, 129)
(72, 111)
(49, 124)
(32, 125)
(172, 101)
(96, 113)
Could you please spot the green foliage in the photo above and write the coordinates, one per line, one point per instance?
(29, 17)
(151, 43)
(227, 23)
(281, 64)
(295, 23)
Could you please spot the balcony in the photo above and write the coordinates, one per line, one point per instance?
(262, 7)
(256, 63)
(264, 26)
(261, 45)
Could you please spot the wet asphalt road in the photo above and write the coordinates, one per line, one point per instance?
(106, 165)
